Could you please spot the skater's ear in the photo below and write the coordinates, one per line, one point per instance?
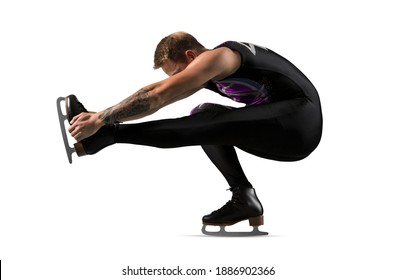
(190, 55)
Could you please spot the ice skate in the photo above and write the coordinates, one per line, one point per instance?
(73, 108)
(91, 145)
(104, 137)
(244, 205)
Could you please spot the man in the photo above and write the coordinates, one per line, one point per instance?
(281, 121)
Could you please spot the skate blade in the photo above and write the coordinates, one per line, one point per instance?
(223, 233)
(62, 119)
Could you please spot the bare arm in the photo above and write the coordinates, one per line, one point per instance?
(215, 64)
(136, 105)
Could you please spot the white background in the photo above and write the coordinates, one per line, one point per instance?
(329, 216)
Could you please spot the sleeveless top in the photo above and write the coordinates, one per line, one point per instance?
(263, 76)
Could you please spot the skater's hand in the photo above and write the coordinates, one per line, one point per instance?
(85, 125)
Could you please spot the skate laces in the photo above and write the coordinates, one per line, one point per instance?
(235, 195)
(234, 200)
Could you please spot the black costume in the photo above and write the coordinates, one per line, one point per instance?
(281, 121)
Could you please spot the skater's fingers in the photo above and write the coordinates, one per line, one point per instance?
(83, 126)
(81, 135)
(74, 132)
(77, 121)
(77, 134)
(76, 129)
(78, 137)
(76, 118)
(81, 117)
(72, 128)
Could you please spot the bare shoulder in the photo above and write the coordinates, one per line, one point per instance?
(220, 62)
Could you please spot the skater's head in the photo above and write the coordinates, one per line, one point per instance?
(176, 51)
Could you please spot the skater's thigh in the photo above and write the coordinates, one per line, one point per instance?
(285, 133)
(264, 112)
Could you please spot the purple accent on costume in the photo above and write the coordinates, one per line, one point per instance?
(243, 90)
(194, 109)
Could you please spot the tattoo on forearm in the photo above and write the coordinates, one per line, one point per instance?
(136, 104)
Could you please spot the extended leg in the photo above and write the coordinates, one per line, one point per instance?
(279, 131)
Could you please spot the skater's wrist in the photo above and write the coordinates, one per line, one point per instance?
(99, 121)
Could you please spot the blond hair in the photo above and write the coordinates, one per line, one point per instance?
(173, 47)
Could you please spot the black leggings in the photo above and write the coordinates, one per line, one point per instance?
(287, 130)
